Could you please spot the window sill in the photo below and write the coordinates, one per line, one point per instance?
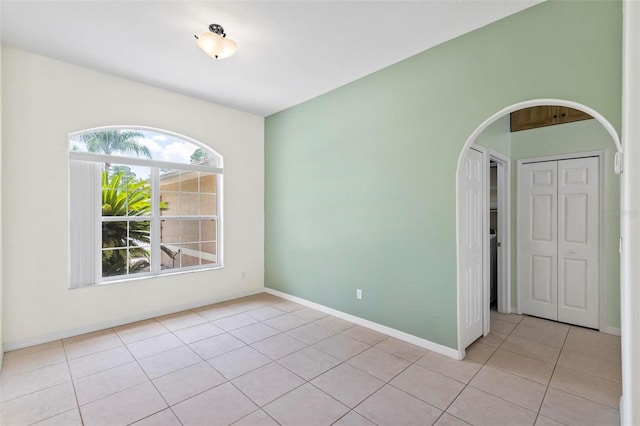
(146, 277)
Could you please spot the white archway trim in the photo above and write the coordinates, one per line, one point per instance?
(472, 139)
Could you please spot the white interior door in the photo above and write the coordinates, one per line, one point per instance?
(578, 241)
(538, 194)
(559, 235)
(471, 204)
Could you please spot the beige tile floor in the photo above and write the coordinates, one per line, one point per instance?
(263, 361)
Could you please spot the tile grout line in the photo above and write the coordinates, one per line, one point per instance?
(564, 341)
(389, 381)
(275, 361)
(517, 375)
(48, 387)
(147, 376)
(411, 363)
(209, 364)
(349, 409)
(37, 390)
(222, 375)
(202, 360)
(466, 385)
(305, 381)
(73, 384)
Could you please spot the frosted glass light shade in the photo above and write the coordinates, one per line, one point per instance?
(216, 46)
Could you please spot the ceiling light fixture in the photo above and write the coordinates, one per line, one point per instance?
(215, 44)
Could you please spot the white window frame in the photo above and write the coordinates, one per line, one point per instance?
(155, 218)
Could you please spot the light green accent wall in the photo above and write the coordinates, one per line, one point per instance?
(360, 182)
(581, 136)
(497, 136)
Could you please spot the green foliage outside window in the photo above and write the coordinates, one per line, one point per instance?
(127, 241)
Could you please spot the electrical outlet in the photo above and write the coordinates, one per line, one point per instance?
(358, 293)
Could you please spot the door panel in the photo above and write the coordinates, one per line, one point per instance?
(574, 271)
(578, 242)
(471, 206)
(542, 278)
(542, 224)
(575, 218)
(539, 238)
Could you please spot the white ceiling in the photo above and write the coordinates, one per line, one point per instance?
(288, 51)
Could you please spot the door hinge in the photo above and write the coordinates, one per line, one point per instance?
(617, 163)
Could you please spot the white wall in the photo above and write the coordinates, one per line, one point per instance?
(1, 340)
(43, 101)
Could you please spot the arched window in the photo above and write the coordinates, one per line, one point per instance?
(143, 202)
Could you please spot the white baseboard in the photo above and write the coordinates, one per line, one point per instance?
(400, 335)
(611, 330)
(63, 334)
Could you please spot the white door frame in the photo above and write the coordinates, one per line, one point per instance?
(630, 219)
(472, 139)
(504, 231)
(602, 311)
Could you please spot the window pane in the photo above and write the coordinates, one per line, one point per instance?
(139, 259)
(188, 204)
(138, 143)
(208, 230)
(139, 197)
(114, 262)
(126, 190)
(169, 180)
(188, 181)
(207, 183)
(169, 203)
(114, 234)
(169, 258)
(207, 204)
(190, 254)
(208, 253)
(139, 233)
(170, 231)
(114, 194)
(190, 231)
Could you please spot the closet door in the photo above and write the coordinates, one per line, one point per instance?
(578, 242)
(538, 229)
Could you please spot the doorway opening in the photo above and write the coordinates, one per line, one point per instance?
(494, 243)
(502, 298)
(500, 227)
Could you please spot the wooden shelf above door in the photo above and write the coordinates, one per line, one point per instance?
(541, 116)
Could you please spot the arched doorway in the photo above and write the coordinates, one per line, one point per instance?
(462, 284)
